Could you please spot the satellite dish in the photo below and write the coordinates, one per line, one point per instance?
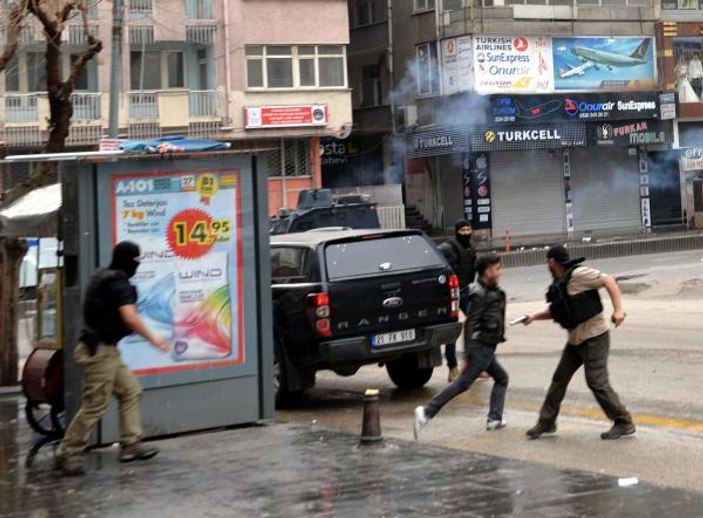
(344, 130)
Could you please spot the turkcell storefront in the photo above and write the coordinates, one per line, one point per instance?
(549, 164)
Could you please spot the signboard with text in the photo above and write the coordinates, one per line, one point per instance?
(188, 226)
(631, 133)
(267, 117)
(569, 107)
(528, 136)
(439, 142)
(513, 64)
(458, 65)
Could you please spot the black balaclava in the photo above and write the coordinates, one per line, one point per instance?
(124, 258)
(464, 241)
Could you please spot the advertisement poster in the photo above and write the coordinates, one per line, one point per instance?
(514, 137)
(458, 65)
(631, 133)
(604, 64)
(189, 282)
(513, 64)
(579, 106)
(481, 183)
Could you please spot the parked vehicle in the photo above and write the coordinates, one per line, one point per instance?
(344, 299)
(318, 208)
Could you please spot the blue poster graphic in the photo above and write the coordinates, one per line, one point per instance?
(604, 64)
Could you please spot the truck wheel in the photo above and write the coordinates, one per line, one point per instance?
(285, 398)
(405, 373)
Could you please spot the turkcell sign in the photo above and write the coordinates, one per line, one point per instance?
(524, 136)
(438, 142)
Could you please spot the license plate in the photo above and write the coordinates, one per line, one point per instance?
(397, 337)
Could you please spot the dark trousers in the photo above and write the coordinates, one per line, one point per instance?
(450, 349)
(480, 357)
(593, 355)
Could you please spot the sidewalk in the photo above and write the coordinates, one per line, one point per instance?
(295, 471)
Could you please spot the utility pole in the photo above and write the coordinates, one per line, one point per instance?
(115, 67)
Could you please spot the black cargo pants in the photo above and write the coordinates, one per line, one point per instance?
(593, 355)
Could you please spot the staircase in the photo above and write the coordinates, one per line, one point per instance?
(415, 220)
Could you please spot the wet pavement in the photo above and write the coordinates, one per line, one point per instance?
(284, 470)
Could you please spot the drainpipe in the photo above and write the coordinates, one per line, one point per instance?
(228, 63)
(390, 57)
(284, 187)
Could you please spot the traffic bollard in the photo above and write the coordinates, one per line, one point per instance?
(371, 425)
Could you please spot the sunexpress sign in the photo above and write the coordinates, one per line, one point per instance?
(605, 106)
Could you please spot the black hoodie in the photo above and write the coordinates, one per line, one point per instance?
(108, 290)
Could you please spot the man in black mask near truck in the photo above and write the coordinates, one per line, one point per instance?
(461, 256)
(575, 304)
(109, 314)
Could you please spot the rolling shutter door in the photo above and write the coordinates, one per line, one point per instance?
(528, 193)
(605, 189)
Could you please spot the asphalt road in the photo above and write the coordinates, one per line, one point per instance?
(656, 364)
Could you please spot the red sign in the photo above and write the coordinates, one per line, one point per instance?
(262, 117)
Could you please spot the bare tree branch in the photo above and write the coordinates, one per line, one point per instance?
(14, 31)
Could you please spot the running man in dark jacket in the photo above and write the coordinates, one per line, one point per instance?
(461, 256)
(484, 329)
(109, 314)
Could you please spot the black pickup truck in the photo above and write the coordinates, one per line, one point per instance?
(347, 298)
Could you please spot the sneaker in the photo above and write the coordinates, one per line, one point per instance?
(618, 430)
(137, 451)
(453, 374)
(495, 424)
(421, 420)
(69, 467)
(540, 429)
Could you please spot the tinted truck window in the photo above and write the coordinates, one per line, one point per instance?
(373, 256)
(289, 265)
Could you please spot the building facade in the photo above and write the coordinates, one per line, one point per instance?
(233, 70)
(530, 118)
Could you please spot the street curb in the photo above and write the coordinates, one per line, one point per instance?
(644, 246)
(15, 390)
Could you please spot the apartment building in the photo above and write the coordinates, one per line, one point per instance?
(264, 75)
(531, 118)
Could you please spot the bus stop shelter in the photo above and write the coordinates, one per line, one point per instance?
(204, 280)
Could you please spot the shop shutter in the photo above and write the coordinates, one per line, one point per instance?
(528, 193)
(605, 189)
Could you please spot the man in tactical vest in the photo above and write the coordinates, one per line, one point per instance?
(484, 329)
(575, 304)
(109, 315)
(461, 256)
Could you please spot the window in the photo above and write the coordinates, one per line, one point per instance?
(683, 5)
(360, 258)
(289, 66)
(26, 72)
(367, 12)
(371, 86)
(424, 5)
(289, 265)
(453, 5)
(157, 70)
(427, 69)
(199, 10)
(295, 159)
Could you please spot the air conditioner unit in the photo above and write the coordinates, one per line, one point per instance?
(405, 117)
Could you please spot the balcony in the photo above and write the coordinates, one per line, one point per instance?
(203, 104)
(22, 108)
(143, 106)
(87, 106)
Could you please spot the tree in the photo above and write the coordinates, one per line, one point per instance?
(53, 16)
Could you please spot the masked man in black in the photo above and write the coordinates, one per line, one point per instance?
(109, 314)
(461, 256)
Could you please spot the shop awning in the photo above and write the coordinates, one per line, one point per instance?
(34, 214)
(173, 145)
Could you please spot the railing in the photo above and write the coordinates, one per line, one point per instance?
(202, 103)
(21, 108)
(144, 105)
(391, 217)
(86, 106)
